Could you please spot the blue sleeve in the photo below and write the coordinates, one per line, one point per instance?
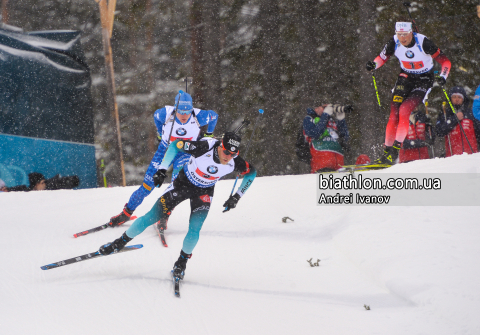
(172, 151)
(343, 130)
(247, 181)
(160, 116)
(315, 130)
(476, 104)
(208, 117)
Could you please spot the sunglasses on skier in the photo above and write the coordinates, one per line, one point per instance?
(403, 34)
(228, 152)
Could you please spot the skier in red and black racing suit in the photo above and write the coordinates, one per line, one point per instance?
(210, 160)
(415, 53)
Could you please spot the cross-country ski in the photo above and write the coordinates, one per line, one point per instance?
(161, 233)
(96, 229)
(85, 257)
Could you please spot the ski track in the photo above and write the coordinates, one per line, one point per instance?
(416, 267)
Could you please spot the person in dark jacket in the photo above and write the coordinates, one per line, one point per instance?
(448, 124)
(37, 183)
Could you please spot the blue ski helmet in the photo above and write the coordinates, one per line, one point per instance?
(184, 104)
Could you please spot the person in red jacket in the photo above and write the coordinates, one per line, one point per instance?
(448, 124)
(415, 53)
(419, 137)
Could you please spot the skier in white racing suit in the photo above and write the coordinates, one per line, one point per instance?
(210, 160)
(415, 53)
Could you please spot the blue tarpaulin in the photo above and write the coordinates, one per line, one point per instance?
(21, 155)
(45, 94)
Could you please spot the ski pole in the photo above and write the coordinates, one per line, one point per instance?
(407, 5)
(376, 90)
(448, 135)
(173, 118)
(459, 122)
(246, 150)
(430, 128)
(241, 126)
(186, 83)
(102, 168)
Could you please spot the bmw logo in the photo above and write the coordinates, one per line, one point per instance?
(212, 169)
(181, 131)
(409, 54)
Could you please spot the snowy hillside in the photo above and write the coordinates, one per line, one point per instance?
(416, 267)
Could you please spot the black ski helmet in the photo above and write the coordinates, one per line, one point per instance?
(231, 142)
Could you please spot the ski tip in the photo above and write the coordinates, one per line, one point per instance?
(133, 218)
(136, 246)
(80, 234)
(260, 111)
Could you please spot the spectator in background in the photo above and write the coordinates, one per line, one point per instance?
(326, 132)
(37, 183)
(419, 137)
(3, 188)
(448, 124)
(476, 104)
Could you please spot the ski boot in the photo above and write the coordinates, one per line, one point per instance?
(121, 218)
(115, 246)
(180, 265)
(390, 154)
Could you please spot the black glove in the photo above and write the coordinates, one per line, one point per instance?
(231, 202)
(159, 177)
(371, 65)
(348, 109)
(441, 81)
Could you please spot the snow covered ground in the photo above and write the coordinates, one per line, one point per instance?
(416, 267)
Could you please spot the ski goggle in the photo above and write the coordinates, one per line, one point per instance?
(184, 112)
(403, 34)
(228, 152)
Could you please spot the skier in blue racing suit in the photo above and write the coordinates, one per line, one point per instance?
(181, 121)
